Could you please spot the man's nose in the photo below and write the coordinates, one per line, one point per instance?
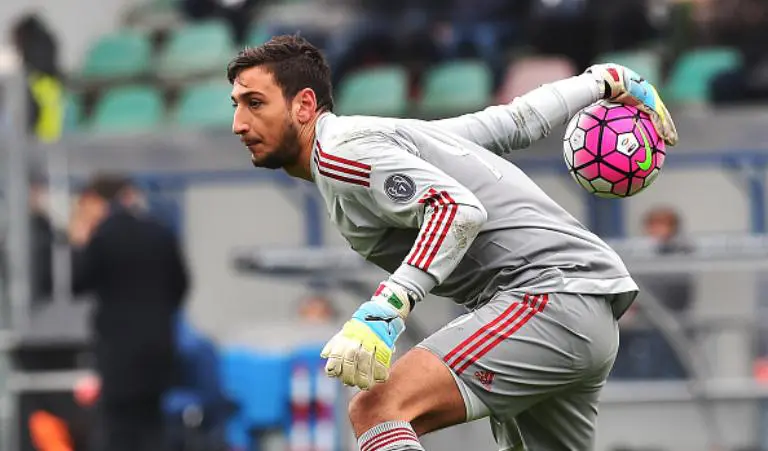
(239, 126)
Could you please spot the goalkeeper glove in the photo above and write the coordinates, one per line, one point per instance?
(361, 352)
(625, 86)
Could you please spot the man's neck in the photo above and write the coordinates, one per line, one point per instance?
(303, 167)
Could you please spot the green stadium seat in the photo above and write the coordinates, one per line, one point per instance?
(456, 87)
(644, 62)
(381, 91)
(689, 81)
(205, 105)
(196, 49)
(120, 55)
(128, 109)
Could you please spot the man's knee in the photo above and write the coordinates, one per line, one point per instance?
(420, 390)
(369, 408)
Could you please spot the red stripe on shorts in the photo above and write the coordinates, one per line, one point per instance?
(482, 331)
(499, 338)
(482, 341)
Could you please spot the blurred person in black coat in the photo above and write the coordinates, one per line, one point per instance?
(134, 266)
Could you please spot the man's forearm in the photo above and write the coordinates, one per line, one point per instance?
(551, 105)
(440, 246)
(504, 128)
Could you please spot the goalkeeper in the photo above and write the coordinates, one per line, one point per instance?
(433, 204)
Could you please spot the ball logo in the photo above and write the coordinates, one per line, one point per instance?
(627, 144)
(400, 187)
(645, 164)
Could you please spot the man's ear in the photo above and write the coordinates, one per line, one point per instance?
(305, 105)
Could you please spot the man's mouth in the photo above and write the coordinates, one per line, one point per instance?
(251, 144)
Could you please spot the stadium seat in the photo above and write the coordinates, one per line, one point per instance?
(380, 91)
(205, 105)
(196, 49)
(258, 383)
(530, 72)
(456, 87)
(646, 63)
(128, 109)
(689, 81)
(121, 55)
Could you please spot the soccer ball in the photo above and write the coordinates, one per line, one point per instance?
(613, 150)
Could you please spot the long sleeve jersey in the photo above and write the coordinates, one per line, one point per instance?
(434, 203)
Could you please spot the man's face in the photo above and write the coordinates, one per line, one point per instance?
(91, 208)
(263, 119)
(661, 228)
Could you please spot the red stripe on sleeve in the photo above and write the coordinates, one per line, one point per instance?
(443, 212)
(431, 202)
(454, 208)
(357, 164)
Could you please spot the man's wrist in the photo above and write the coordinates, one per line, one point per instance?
(413, 279)
(396, 296)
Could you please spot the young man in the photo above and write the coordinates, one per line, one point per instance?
(429, 203)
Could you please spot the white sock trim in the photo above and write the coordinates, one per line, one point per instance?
(390, 434)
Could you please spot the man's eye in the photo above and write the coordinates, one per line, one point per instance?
(255, 103)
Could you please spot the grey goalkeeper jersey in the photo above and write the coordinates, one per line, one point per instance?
(433, 203)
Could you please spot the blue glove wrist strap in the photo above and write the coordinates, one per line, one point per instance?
(382, 319)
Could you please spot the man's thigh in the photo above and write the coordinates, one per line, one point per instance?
(563, 422)
(420, 390)
(518, 351)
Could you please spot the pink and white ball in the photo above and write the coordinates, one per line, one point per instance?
(613, 150)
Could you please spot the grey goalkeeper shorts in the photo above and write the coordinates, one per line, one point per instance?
(535, 364)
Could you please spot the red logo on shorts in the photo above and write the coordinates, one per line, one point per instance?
(485, 377)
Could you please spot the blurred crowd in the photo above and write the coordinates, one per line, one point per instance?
(417, 33)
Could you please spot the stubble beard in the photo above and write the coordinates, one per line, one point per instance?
(287, 151)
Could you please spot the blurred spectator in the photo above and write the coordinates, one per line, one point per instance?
(552, 21)
(387, 32)
(624, 25)
(583, 29)
(38, 50)
(645, 352)
(135, 267)
(482, 28)
(664, 226)
(317, 309)
(744, 26)
(239, 13)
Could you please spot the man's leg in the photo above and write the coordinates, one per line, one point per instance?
(513, 354)
(567, 420)
(562, 423)
(420, 396)
(519, 352)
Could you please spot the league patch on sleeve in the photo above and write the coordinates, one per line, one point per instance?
(400, 187)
